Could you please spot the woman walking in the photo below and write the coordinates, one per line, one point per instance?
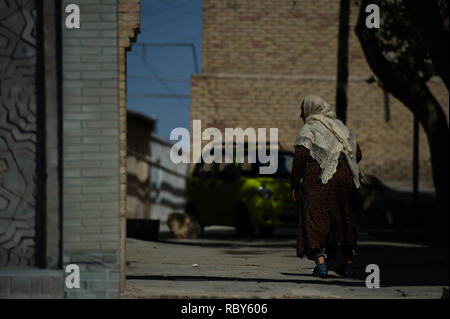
(326, 170)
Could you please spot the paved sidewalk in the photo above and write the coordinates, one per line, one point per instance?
(224, 266)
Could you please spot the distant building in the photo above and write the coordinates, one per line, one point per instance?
(261, 57)
(168, 180)
(155, 185)
(139, 130)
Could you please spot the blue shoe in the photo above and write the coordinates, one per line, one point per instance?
(320, 271)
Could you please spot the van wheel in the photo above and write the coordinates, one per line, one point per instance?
(242, 221)
(266, 231)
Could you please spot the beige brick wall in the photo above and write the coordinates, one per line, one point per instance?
(260, 58)
(128, 27)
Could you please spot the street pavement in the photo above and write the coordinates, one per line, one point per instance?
(222, 265)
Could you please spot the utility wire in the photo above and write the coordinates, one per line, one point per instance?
(160, 96)
(175, 13)
(176, 16)
(167, 28)
(171, 8)
(168, 88)
(146, 77)
(160, 22)
(174, 44)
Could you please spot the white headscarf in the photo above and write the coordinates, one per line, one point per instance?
(327, 137)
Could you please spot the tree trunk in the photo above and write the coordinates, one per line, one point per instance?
(413, 92)
(342, 67)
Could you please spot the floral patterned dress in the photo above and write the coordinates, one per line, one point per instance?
(326, 219)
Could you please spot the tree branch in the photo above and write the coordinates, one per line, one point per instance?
(425, 16)
(407, 86)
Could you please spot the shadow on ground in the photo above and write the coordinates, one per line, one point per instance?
(405, 258)
(333, 280)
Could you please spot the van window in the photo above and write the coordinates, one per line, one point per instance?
(285, 160)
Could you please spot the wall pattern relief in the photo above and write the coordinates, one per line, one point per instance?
(17, 132)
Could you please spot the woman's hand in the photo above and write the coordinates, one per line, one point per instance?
(293, 195)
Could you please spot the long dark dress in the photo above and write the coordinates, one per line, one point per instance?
(326, 219)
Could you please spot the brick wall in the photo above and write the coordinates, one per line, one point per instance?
(129, 24)
(31, 283)
(91, 149)
(260, 58)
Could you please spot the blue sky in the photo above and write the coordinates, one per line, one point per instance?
(161, 71)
